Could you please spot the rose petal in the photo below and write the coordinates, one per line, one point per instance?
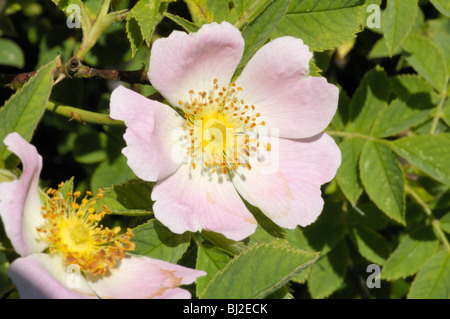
(153, 134)
(184, 62)
(193, 200)
(174, 293)
(143, 277)
(20, 205)
(286, 185)
(275, 81)
(44, 276)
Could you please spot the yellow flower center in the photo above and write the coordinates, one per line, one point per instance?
(80, 234)
(72, 229)
(220, 127)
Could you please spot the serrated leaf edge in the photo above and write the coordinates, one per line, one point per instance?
(281, 245)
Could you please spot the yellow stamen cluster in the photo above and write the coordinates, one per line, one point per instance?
(218, 125)
(73, 229)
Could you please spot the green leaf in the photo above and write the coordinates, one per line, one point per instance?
(402, 114)
(296, 238)
(370, 244)
(6, 176)
(427, 60)
(332, 223)
(340, 119)
(442, 41)
(245, 11)
(154, 240)
(211, 260)
(443, 6)
(397, 21)
(258, 272)
(369, 215)
(380, 50)
(328, 273)
(411, 254)
(404, 85)
(322, 25)
(445, 223)
(134, 34)
(347, 175)
(208, 11)
(113, 172)
(433, 280)
(438, 31)
(261, 235)
(292, 237)
(219, 240)
(66, 188)
(6, 284)
(430, 153)
(11, 54)
(383, 179)
(147, 14)
(185, 24)
(90, 147)
(369, 99)
(63, 4)
(131, 199)
(260, 30)
(22, 112)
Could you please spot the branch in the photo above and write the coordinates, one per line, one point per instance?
(81, 115)
(76, 69)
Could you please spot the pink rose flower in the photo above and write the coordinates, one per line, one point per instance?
(260, 138)
(65, 252)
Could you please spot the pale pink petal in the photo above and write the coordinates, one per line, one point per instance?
(174, 293)
(143, 277)
(275, 81)
(286, 184)
(194, 200)
(20, 205)
(153, 132)
(184, 62)
(44, 276)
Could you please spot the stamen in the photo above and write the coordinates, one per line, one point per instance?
(217, 118)
(72, 229)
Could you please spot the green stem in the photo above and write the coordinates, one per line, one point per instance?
(419, 201)
(105, 8)
(441, 234)
(103, 21)
(357, 135)
(438, 114)
(85, 22)
(82, 116)
(434, 222)
(254, 10)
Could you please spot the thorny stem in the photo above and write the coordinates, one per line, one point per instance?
(82, 116)
(75, 69)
